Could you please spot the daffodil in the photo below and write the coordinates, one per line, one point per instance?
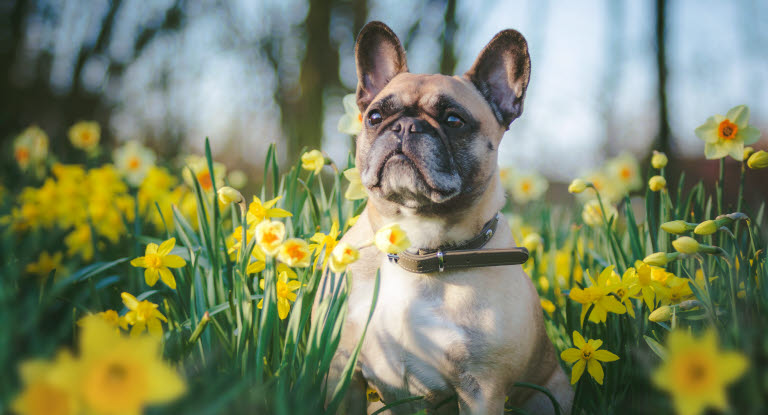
(45, 264)
(157, 260)
(592, 213)
(391, 239)
(352, 120)
(642, 283)
(356, 190)
(313, 161)
(657, 183)
(686, 245)
(258, 212)
(110, 317)
(598, 296)
(547, 306)
(659, 160)
(133, 161)
(528, 186)
(727, 135)
(79, 242)
(624, 170)
(120, 375)
(587, 355)
(48, 387)
(270, 236)
(758, 160)
(343, 255)
(294, 252)
(285, 294)
(532, 241)
(324, 243)
(678, 291)
(30, 147)
(85, 135)
(142, 315)
(609, 188)
(697, 372)
(625, 290)
(199, 171)
(228, 195)
(577, 186)
(677, 227)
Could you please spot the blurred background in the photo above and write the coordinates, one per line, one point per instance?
(607, 77)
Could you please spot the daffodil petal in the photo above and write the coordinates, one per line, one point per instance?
(155, 328)
(605, 356)
(150, 276)
(578, 340)
(283, 308)
(749, 135)
(151, 248)
(260, 305)
(139, 262)
(577, 371)
(174, 261)
(738, 115)
(595, 343)
(130, 301)
(595, 370)
(570, 355)
(166, 247)
(167, 276)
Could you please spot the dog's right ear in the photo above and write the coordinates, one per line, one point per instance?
(379, 57)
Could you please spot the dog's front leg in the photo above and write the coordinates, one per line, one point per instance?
(480, 396)
(354, 401)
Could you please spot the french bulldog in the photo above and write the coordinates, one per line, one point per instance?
(427, 155)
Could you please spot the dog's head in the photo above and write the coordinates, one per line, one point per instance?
(430, 142)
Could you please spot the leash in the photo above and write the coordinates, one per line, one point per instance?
(468, 254)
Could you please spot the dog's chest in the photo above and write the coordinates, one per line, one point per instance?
(419, 344)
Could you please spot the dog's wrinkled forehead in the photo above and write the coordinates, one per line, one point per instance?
(431, 94)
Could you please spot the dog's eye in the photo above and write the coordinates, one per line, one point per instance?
(454, 121)
(374, 117)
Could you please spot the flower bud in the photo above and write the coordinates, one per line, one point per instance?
(532, 241)
(661, 314)
(657, 183)
(659, 160)
(686, 245)
(660, 259)
(677, 227)
(708, 227)
(577, 186)
(758, 160)
(748, 151)
(229, 195)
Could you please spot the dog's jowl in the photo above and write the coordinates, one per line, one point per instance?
(456, 321)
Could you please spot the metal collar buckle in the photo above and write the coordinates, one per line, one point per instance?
(440, 261)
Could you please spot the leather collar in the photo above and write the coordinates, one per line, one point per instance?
(468, 254)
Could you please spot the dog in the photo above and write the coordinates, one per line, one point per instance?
(427, 155)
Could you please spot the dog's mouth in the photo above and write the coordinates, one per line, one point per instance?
(411, 181)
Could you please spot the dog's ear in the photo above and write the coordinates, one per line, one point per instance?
(379, 57)
(501, 73)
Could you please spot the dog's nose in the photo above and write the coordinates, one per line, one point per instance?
(411, 126)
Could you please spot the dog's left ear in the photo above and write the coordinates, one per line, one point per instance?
(379, 57)
(501, 73)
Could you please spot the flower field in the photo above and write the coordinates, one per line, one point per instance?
(133, 285)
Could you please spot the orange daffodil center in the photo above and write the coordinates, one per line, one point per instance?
(727, 130)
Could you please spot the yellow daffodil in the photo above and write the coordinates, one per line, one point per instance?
(133, 161)
(48, 388)
(642, 283)
(324, 243)
(657, 183)
(270, 236)
(532, 241)
(708, 227)
(352, 120)
(343, 255)
(727, 135)
(598, 296)
(624, 170)
(661, 314)
(547, 306)
(609, 188)
(577, 186)
(678, 291)
(391, 239)
(659, 160)
(157, 260)
(697, 372)
(255, 266)
(313, 161)
(45, 264)
(30, 147)
(228, 195)
(686, 245)
(677, 227)
(295, 253)
(356, 190)
(660, 259)
(528, 186)
(110, 317)
(258, 212)
(121, 375)
(85, 135)
(587, 355)
(758, 160)
(624, 288)
(198, 171)
(592, 214)
(79, 242)
(285, 294)
(142, 315)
